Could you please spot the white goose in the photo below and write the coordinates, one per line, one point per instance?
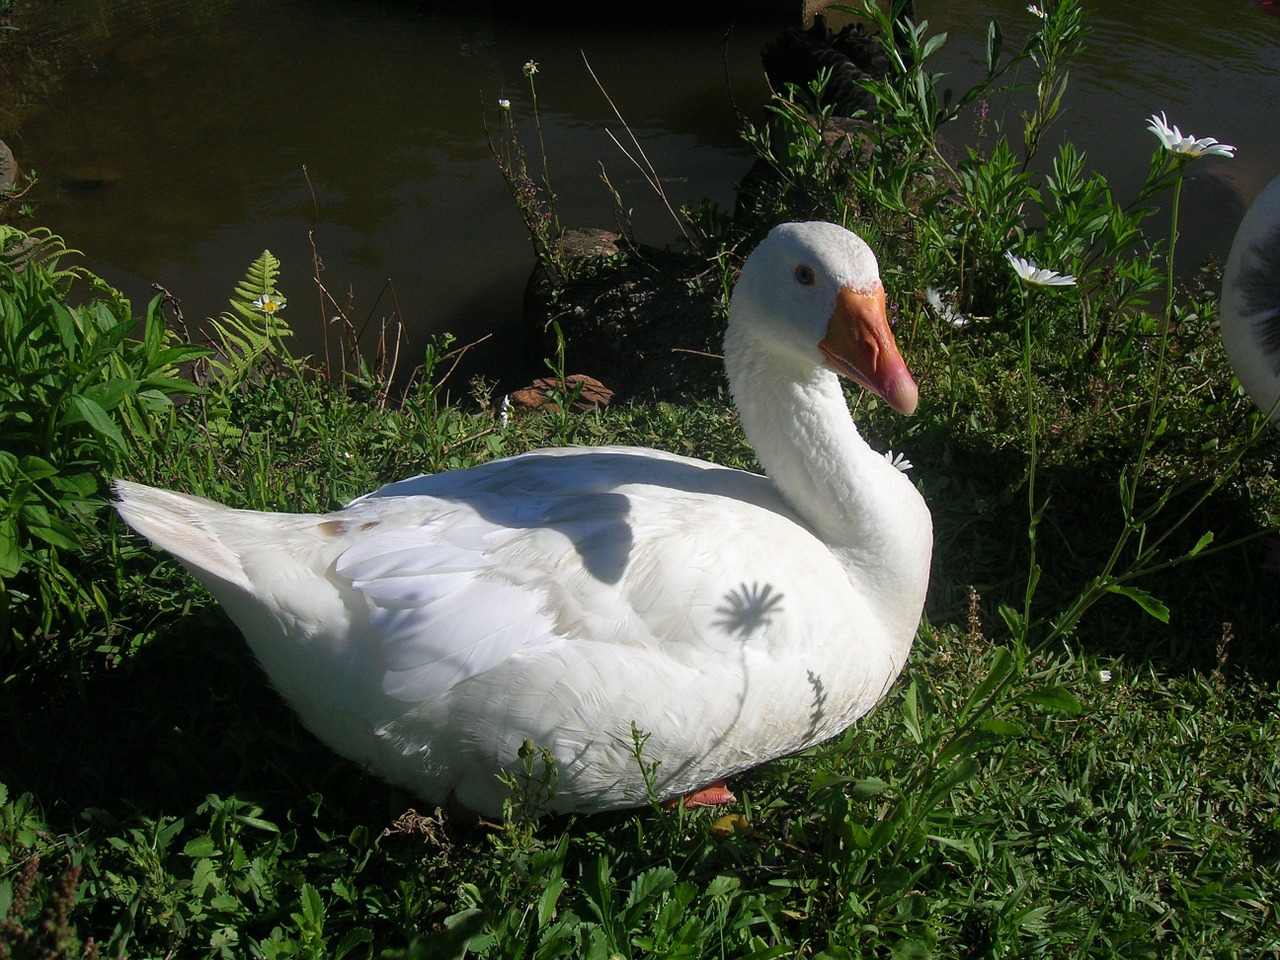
(1250, 311)
(429, 628)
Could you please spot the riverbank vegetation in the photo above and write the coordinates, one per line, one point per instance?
(1079, 759)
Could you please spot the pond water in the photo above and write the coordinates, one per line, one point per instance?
(174, 148)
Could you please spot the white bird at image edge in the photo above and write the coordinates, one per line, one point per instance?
(1250, 311)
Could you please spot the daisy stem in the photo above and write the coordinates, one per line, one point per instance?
(1033, 519)
(1173, 246)
(1166, 325)
(542, 148)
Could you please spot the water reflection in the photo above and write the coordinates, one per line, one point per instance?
(1214, 66)
(181, 131)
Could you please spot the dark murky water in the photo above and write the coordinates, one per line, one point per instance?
(179, 136)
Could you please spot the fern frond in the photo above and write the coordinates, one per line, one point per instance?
(253, 330)
(40, 247)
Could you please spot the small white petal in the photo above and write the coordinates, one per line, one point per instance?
(1160, 127)
(1104, 676)
(1209, 147)
(899, 461)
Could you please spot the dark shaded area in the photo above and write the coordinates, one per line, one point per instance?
(646, 326)
(657, 12)
(189, 715)
(979, 502)
(800, 56)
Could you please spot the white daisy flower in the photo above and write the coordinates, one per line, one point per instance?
(1037, 276)
(504, 104)
(898, 460)
(944, 310)
(530, 68)
(1172, 139)
(1104, 676)
(268, 303)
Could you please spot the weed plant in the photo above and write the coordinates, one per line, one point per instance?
(1079, 760)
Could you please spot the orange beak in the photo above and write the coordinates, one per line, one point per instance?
(860, 345)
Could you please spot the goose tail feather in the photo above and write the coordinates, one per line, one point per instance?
(184, 525)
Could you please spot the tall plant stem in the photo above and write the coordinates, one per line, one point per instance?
(1033, 514)
(1166, 326)
(542, 149)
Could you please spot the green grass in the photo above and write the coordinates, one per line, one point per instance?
(1079, 761)
(1079, 817)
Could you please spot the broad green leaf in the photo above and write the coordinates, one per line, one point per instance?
(257, 822)
(1055, 697)
(36, 468)
(154, 326)
(650, 883)
(225, 903)
(1001, 667)
(864, 787)
(55, 533)
(970, 744)
(81, 484)
(1146, 601)
(1013, 620)
(1002, 728)
(201, 846)
(995, 42)
(547, 901)
(912, 950)
(353, 939)
(453, 942)
(963, 769)
(312, 906)
(97, 418)
(965, 846)
(11, 559)
(108, 395)
(911, 713)
(722, 886)
(172, 356)
(65, 326)
(204, 874)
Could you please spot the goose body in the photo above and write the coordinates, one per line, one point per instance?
(569, 596)
(1250, 309)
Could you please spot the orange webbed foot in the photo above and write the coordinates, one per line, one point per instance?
(712, 795)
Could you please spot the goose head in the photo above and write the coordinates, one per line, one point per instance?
(810, 296)
(1250, 313)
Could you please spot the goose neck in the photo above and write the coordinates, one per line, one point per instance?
(864, 509)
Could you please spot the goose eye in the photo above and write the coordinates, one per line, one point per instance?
(805, 275)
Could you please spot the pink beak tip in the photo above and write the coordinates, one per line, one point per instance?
(902, 394)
